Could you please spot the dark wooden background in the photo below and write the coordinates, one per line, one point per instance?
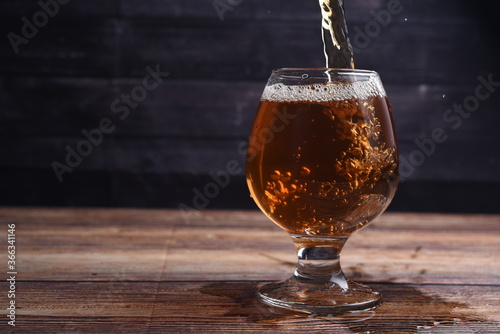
(65, 78)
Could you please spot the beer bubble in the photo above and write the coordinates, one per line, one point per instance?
(281, 188)
(304, 171)
(286, 177)
(326, 187)
(276, 175)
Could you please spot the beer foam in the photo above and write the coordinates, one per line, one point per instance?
(323, 92)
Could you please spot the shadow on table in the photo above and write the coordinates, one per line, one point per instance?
(404, 310)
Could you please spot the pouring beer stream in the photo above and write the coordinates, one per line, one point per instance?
(338, 49)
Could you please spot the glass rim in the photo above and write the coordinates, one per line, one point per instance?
(321, 72)
(323, 69)
(346, 81)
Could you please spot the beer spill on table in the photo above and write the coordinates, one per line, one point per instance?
(338, 50)
(333, 168)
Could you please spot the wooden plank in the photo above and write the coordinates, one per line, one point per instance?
(15, 9)
(123, 47)
(146, 190)
(446, 197)
(450, 162)
(231, 307)
(38, 187)
(259, 9)
(357, 10)
(176, 245)
(73, 47)
(203, 156)
(415, 44)
(210, 109)
(153, 155)
(203, 109)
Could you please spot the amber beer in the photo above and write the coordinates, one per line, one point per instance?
(330, 165)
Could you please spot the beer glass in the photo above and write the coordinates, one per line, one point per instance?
(322, 162)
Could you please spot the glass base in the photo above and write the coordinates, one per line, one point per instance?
(337, 296)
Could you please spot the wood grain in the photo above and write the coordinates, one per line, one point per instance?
(162, 271)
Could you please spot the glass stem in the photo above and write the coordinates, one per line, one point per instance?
(319, 260)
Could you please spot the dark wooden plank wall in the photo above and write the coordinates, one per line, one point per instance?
(65, 79)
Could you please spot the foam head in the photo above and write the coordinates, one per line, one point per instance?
(324, 92)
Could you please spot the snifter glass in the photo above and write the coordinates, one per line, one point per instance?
(322, 162)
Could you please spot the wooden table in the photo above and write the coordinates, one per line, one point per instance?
(159, 271)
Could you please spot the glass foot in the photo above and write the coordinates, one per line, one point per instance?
(338, 296)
